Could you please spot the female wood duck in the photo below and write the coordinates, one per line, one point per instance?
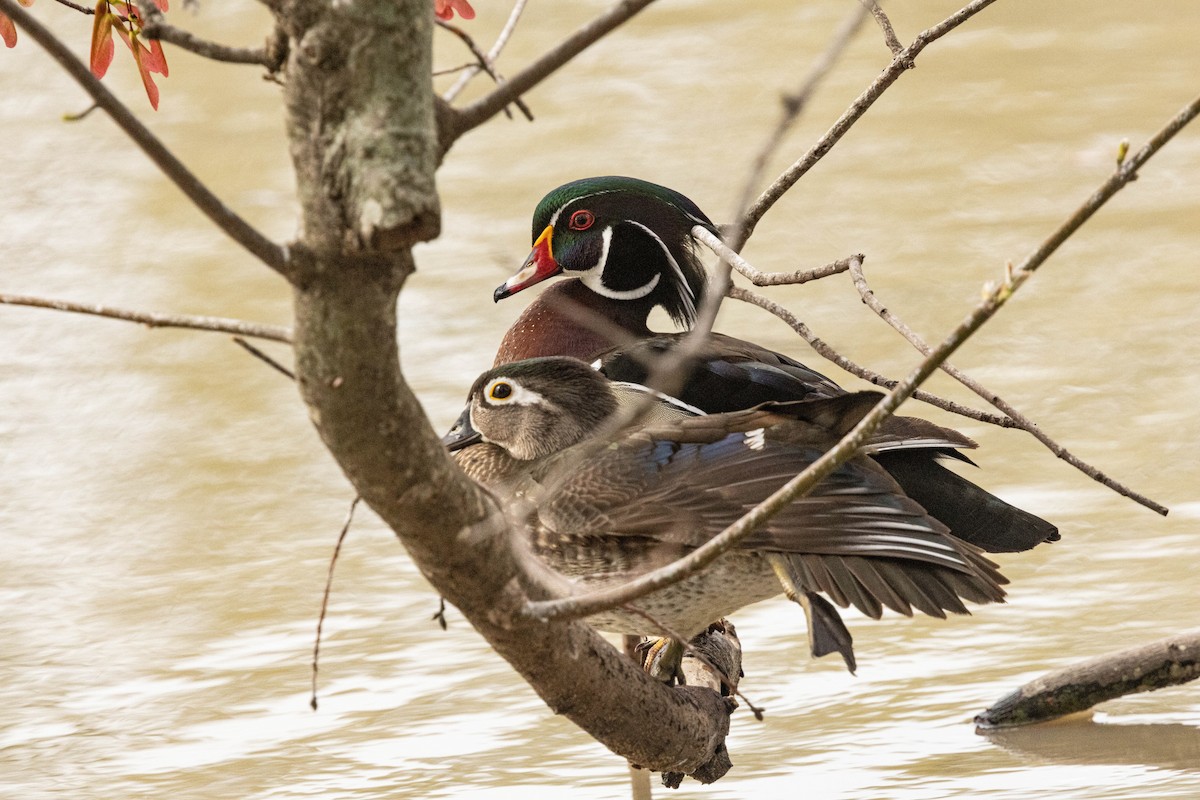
(605, 515)
(627, 245)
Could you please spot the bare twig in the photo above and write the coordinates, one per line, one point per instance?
(822, 347)
(793, 105)
(452, 70)
(213, 50)
(76, 6)
(263, 357)
(233, 225)
(80, 115)
(902, 62)
(156, 27)
(885, 24)
(256, 330)
(463, 120)
(337, 549)
(1023, 422)
(996, 296)
(1167, 662)
(760, 278)
(492, 54)
(484, 64)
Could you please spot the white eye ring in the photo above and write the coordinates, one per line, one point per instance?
(511, 392)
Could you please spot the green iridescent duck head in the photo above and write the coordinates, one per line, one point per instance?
(624, 238)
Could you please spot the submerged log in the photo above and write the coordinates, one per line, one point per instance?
(1167, 662)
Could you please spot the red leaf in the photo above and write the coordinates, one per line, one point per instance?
(102, 43)
(444, 9)
(144, 69)
(8, 32)
(162, 4)
(155, 60)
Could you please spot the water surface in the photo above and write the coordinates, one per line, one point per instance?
(167, 513)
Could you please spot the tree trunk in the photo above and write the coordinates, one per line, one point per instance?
(361, 124)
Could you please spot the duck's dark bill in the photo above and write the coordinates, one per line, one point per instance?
(461, 434)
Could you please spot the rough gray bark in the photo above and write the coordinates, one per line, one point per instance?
(1076, 688)
(361, 123)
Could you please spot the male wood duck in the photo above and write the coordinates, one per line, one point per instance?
(605, 515)
(627, 248)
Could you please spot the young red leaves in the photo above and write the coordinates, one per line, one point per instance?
(8, 31)
(445, 9)
(126, 20)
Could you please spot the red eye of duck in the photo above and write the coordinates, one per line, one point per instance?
(581, 220)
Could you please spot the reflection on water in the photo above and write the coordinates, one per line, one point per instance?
(1160, 743)
(167, 513)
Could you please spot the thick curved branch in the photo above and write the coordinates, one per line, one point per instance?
(1023, 422)
(224, 218)
(996, 296)
(276, 333)
(464, 119)
(1167, 662)
(348, 370)
(902, 62)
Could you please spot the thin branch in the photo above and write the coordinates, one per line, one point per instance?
(901, 63)
(76, 6)
(996, 296)
(451, 70)
(885, 24)
(263, 357)
(760, 278)
(337, 549)
(463, 120)
(823, 348)
(484, 64)
(256, 330)
(237, 228)
(492, 54)
(793, 105)
(1023, 422)
(267, 56)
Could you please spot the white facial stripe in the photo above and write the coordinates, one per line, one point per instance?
(685, 289)
(559, 210)
(593, 276)
(597, 269)
(520, 395)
